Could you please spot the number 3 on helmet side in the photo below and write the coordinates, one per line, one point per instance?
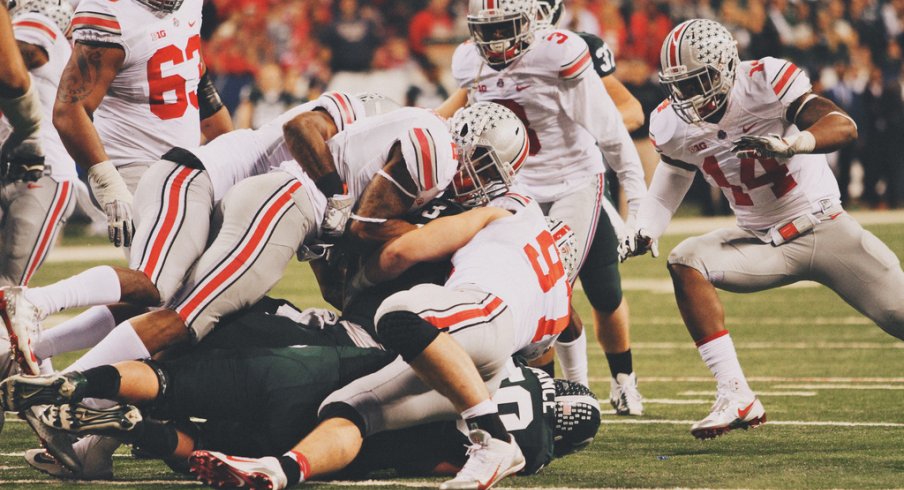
(160, 85)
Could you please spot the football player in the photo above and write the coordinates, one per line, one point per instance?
(545, 76)
(20, 103)
(134, 87)
(508, 293)
(36, 202)
(756, 130)
(193, 182)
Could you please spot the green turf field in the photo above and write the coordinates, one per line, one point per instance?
(832, 384)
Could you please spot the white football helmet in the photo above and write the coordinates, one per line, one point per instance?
(549, 13)
(699, 62)
(567, 245)
(578, 417)
(492, 146)
(59, 11)
(503, 30)
(376, 103)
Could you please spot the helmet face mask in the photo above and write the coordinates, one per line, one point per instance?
(699, 62)
(492, 145)
(502, 29)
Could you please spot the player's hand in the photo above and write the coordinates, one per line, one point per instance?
(637, 242)
(773, 145)
(114, 197)
(22, 159)
(318, 318)
(338, 211)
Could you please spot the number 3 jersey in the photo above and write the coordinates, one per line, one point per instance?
(152, 103)
(763, 192)
(515, 259)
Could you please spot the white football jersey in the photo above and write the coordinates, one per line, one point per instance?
(362, 150)
(152, 104)
(39, 30)
(568, 114)
(515, 258)
(243, 153)
(766, 191)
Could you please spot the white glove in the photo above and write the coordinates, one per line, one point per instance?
(774, 145)
(114, 197)
(637, 242)
(318, 318)
(338, 211)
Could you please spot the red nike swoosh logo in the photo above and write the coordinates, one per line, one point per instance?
(747, 128)
(485, 484)
(743, 413)
(521, 87)
(192, 23)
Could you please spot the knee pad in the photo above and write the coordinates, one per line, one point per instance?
(602, 285)
(343, 410)
(406, 333)
(163, 382)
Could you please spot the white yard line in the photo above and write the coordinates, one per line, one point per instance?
(761, 393)
(761, 379)
(840, 387)
(792, 423)
(891, 344)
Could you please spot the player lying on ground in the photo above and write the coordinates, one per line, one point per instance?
(172, 232)
(756, 130)
(545, 75)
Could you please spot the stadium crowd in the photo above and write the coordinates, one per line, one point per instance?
(852, 51)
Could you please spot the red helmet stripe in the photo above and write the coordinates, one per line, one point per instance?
(673, 47)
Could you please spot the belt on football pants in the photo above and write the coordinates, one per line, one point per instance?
(789, 230)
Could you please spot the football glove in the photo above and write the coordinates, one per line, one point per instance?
(774, 145)
(637, 242)
(116, 201)
(338, 211)
(318, 318)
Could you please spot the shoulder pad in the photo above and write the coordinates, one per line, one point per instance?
(511, 201)
(664, 125)
(603, 59)
(562, 52)
(780, 78)
(464, 62)
(95, 20)
(343, 108)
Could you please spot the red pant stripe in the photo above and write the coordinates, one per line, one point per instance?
(57, 207)
(163, 234)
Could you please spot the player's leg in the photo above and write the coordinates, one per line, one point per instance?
(734, 260)
(862, 270)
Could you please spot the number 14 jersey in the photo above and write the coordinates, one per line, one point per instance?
(152, 104)
(763, 192)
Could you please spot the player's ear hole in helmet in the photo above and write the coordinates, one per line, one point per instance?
(577, 417)
(699, 62)
(503, 30)
(492, 145)
(168, 6)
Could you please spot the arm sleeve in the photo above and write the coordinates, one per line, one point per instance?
(588, 103)
(344, 109)
(95, 22)
(600, 54)
(667, 190)
(424, 158)
(785, 80)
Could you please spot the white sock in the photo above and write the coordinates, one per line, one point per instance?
(46, 366)
(122, 344)
(573, 359)
(719, 354)
(93, 287)
(81, 332)
(485, 407)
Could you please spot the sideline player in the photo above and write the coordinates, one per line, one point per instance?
(35, 203)
(755, 130)
(130, 93)
(545, 77)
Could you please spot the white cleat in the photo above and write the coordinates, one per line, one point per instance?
(489, 460)
(623, 395)
(94, 452)
(221, 471)
(23, 326)
(731, 411)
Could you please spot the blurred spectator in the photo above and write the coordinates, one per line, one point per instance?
(646, 30)
(578, 18)
(265, 100)
(432, 25)
(638, 78)
(353, 37)
(846, 94)
(430, 92)
(881, 135)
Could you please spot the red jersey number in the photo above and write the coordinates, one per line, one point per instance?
(775, 174)
(549, 271)
(160, 85)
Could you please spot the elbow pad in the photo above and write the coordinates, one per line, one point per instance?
(209, 101)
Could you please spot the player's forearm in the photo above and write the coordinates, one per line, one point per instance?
(78, 134)
(306, 141)
(667, 189)
(216, 124)
(831, 128)
(456, 101)
(14, 81)
(628, 106)
(363, 236)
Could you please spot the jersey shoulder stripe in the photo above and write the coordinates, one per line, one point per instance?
(344, 107)
(575, 67)
(425, 152)
(97, 21)
(785, 78)
(35, 26)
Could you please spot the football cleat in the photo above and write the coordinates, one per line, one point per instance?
(79, 419)
(57, 442)
(489, 461)
(95, 454)
(22, 391)
(221, 471)
(22, 321)
(731, 411)
(623, 395)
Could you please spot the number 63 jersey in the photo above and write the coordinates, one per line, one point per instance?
(152, 104)
(763, 192)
